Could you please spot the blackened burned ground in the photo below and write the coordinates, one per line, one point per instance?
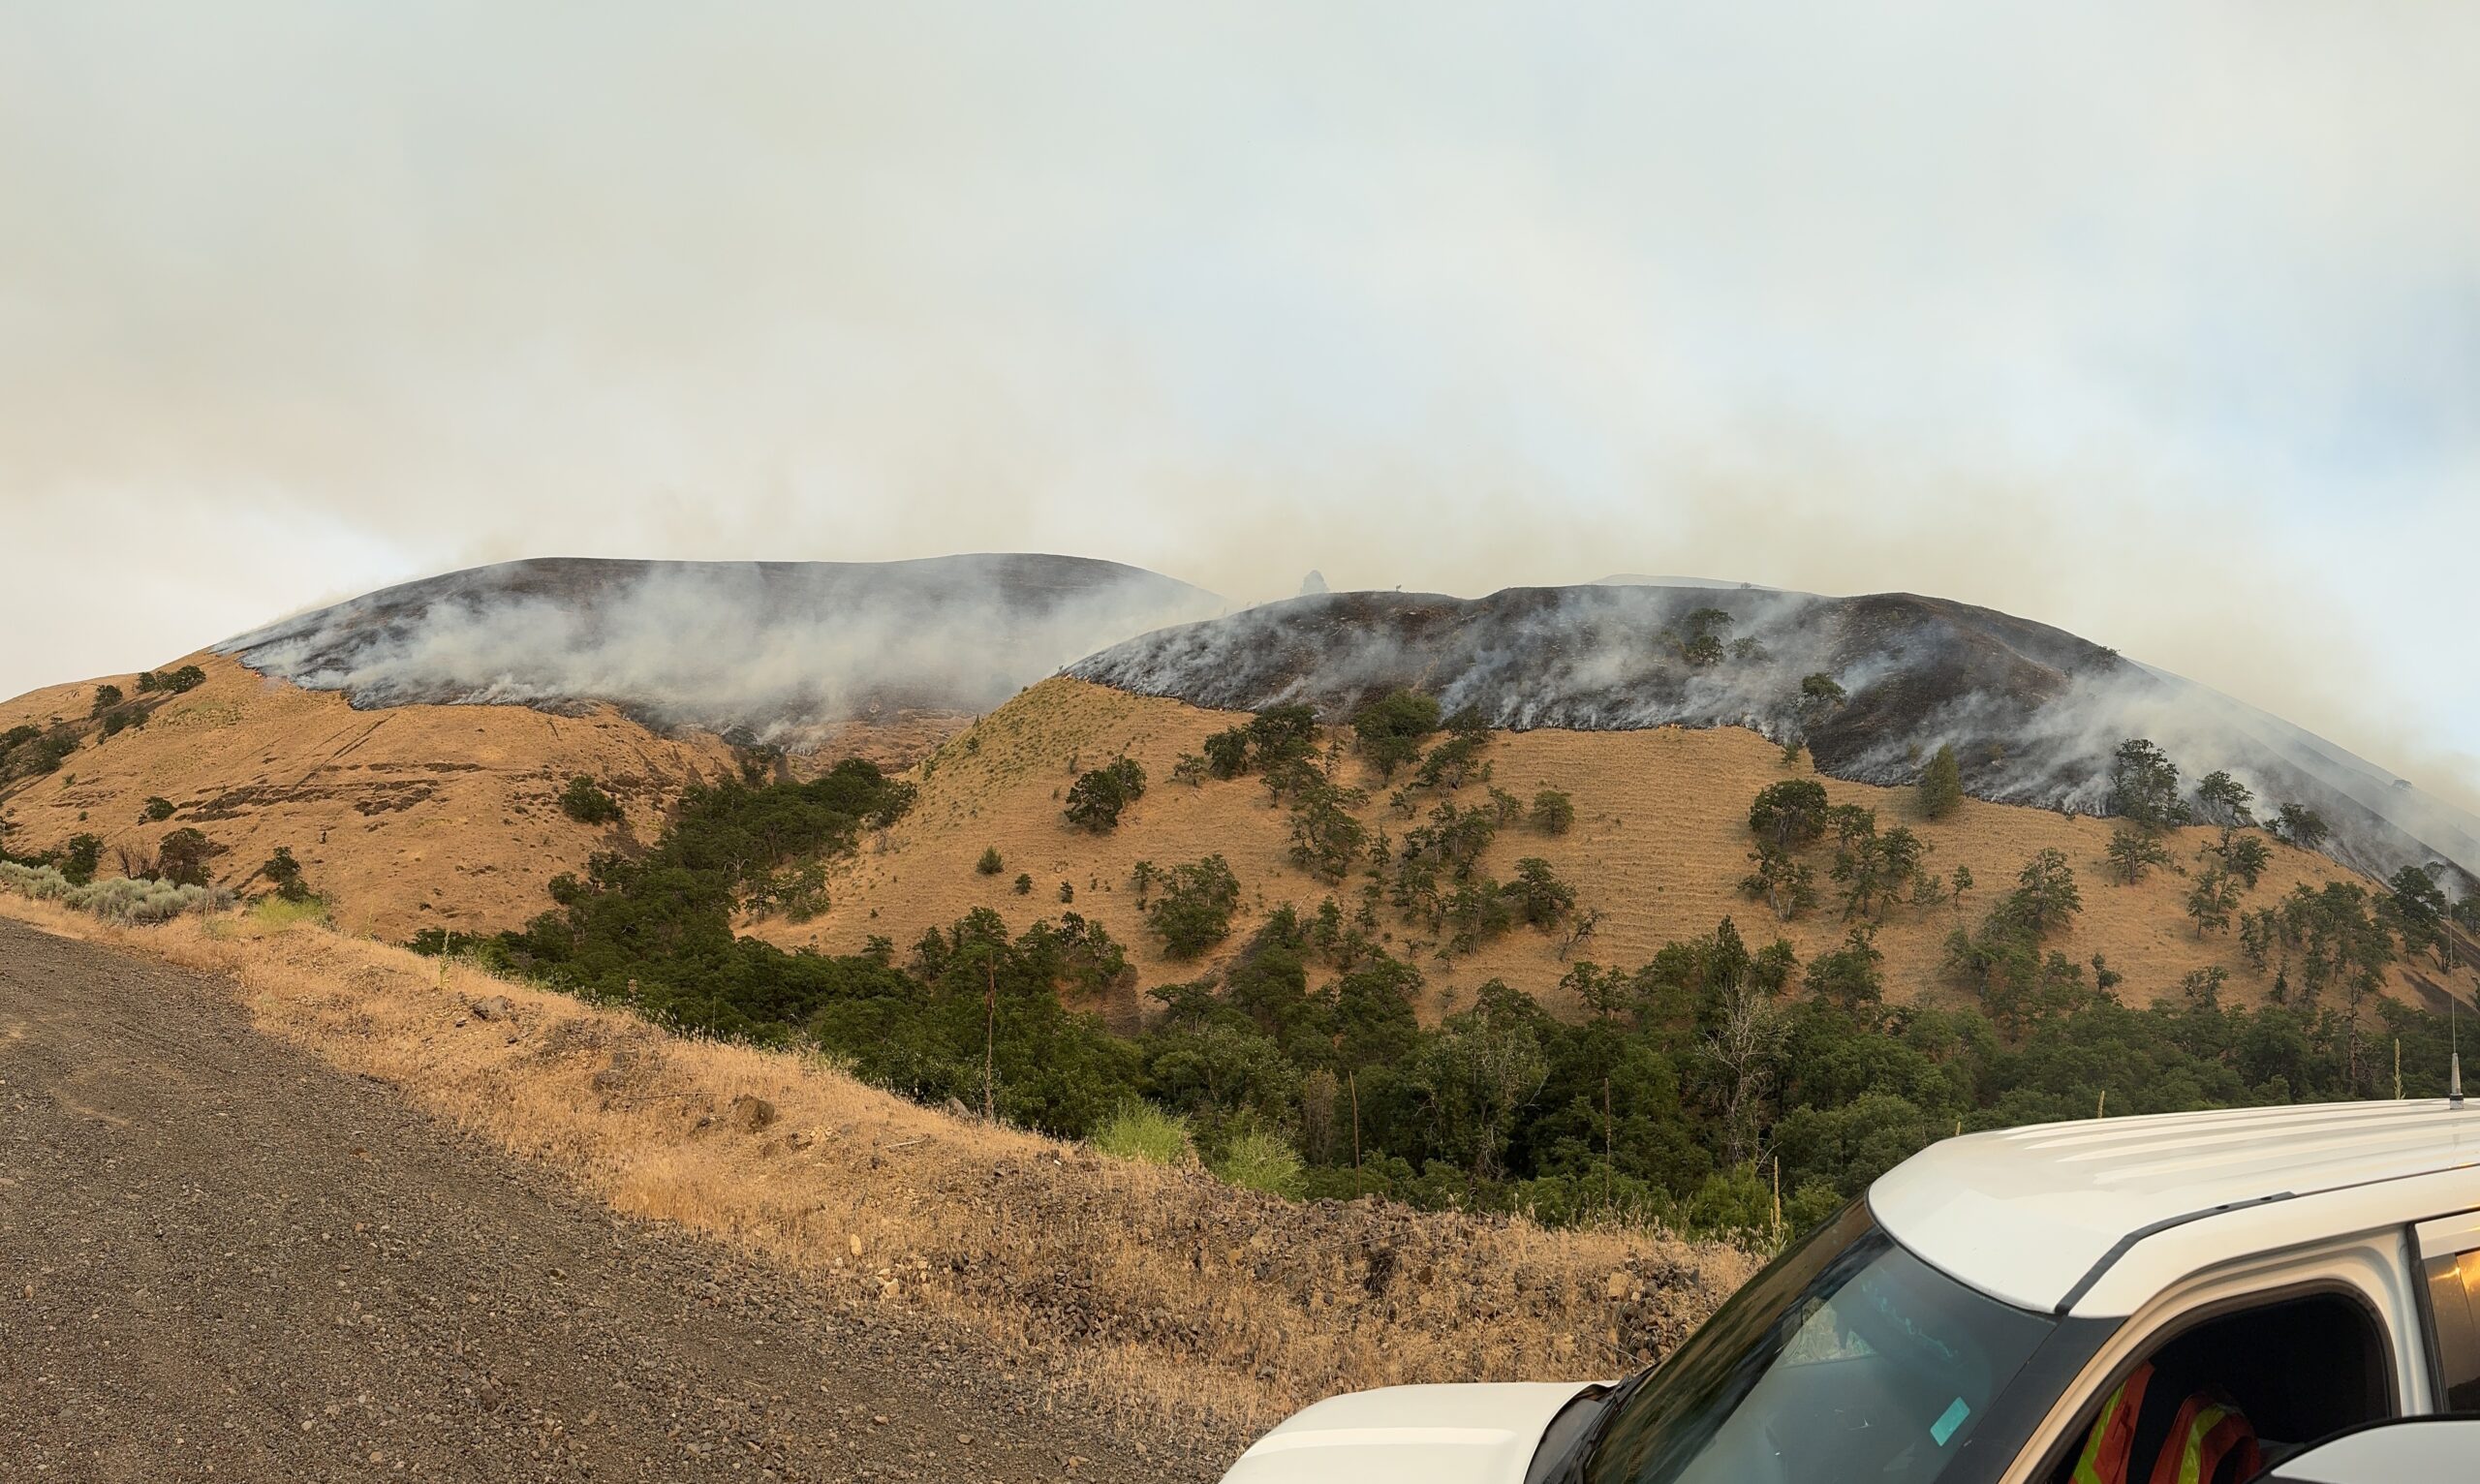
(220, 1258)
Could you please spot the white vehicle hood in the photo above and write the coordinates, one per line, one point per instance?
(1401, 1435)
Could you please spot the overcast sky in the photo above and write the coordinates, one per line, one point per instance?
(2159, 323)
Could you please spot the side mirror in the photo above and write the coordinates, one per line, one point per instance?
(2407, 1450)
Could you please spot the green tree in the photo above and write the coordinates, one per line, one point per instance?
(1024, 883)
(1790, 815)
(1226, 751)
(1542, 899)
(2144, 786)
(1193, 911)
(2223, 800)
(1819, 692)
(283, 873)
(1780, 881)
(2212, 900)
(2245, 857)
(585, 801)
(2415, 908)
(2302, 826)
(2131, 853)
(1942, 785)
(1392, 727)
(990, 863)
(1326, 838)
(156, 808)
(182, 857)
(1704, 645)
(79, 858)
(1553, 813)
(1849, 977)
(1096, 799)
(107, 697)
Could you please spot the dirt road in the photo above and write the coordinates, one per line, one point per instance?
(222, 1259)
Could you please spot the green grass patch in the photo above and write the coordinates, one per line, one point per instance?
(273, 913)
(1143, 1132)
(1258, 1160)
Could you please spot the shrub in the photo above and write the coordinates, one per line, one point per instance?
(107, 697)
(1255, 1160)
(79, 858)
(1094, 800)
(189, 677)
(121, 899)
(283, 873)
(157, 810)
(1391, 728)
(1553, 813)
(1140, 1130)
(1195, 911)
(585, 801)
(990, 864)
(1024, 883)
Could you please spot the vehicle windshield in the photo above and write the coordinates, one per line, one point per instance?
(1846, 1359)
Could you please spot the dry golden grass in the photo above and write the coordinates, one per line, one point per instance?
(406, 818)
(1659, 844)
(1159, 1289)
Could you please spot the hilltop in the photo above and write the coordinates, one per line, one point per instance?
(782, 651)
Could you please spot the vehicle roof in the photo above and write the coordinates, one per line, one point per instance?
(2032, 1216)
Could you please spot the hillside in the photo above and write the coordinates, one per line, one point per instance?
(415, 816)
(788, 651)
(2032, 712)
(409, 745)
(1659, 844)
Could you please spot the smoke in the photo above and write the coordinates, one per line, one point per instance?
(786, 650)
(2150, 321)
(2035, 715)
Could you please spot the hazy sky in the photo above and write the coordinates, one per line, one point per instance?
(2161, 322)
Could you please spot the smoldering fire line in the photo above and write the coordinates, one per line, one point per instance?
(781, 649)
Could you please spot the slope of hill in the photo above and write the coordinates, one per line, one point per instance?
(408, 818)
(1658, 846)
(787, 650)
(2033, 713)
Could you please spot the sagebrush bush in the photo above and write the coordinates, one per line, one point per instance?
(119, 899)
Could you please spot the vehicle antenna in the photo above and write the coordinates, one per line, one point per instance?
(2453, 1063)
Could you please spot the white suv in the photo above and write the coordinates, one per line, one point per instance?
(2070, 1300)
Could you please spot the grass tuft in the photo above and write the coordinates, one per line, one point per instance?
(1143, 1132)
(1260, 1160)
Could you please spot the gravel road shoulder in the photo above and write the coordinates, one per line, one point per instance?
(221, 1259)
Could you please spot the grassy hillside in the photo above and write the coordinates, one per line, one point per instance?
(1658, 846)
(406, 818)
